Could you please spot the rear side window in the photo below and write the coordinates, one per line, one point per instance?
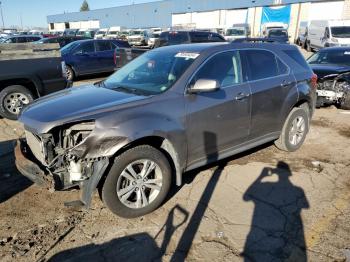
(263, 64)
(103, 46)
(173, 38)
(297, 57)
(121, 44)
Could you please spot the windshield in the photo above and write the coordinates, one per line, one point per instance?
(152, 73)
(101, 32)
(81, 33)
(341, 57)
(113, 32)
(235, 32)
(154, 35)
(341, 31)
(136, 33)
(278, 33)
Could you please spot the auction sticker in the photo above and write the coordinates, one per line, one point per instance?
(187, 55)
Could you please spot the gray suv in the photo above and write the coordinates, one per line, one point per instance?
(171, 110)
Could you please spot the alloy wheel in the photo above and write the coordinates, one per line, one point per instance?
(14, 102)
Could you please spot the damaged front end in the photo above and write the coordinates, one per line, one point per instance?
(58, 160)
(333, 89)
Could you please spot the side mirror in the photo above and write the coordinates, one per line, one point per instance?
(205, 85)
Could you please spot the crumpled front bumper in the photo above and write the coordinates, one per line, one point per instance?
(30, 168)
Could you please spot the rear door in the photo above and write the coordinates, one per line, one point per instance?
(271, 81)
(105, 52)
(218, 120)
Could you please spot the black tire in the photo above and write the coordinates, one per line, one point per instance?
(308, 47)
(109, 189)
(345, 102)
(283, 143)
(70, 73)
(5, 110)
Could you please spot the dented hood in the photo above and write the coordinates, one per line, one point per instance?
(70, 105)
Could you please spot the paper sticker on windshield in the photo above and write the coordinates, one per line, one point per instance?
(187, 55)
(346, 53)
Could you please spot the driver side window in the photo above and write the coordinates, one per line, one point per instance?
(224, 67)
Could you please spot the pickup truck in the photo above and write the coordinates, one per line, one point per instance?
(28, 71)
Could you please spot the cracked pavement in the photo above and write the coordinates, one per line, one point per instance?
(263, 205)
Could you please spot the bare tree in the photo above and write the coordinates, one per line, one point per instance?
(84, 6)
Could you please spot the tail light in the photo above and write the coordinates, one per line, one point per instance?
(314, 81)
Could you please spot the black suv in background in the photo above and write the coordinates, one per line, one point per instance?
(170, 110)
(188, 37)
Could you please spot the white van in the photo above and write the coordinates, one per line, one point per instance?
(237, 31)
(326, 33)
(113, 32)
(101, 33)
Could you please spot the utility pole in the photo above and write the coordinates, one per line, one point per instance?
(2, 16)
(20, 16)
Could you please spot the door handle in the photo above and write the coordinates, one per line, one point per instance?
(241, 96)
(286, 83)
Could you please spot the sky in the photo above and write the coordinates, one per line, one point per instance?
(34, 12)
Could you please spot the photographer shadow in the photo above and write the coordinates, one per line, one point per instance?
(277, 231)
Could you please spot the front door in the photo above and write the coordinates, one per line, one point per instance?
(218, 120)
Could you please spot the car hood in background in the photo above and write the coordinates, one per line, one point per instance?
(328, 69)
(70, 105)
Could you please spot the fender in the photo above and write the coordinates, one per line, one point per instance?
(31, 78)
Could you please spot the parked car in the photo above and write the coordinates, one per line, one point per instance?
(21, 39)
(90, 56)
(153, 40)
(328, 33)
(24, 79)
(171, 110)
(138, 37)
(101, 33)
(302, 34)
(278, 35)
(113, 32)
(70, 32)
(187, 37)
(89, 33)
(332, 66)
(61, 40)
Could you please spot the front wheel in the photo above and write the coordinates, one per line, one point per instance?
(137, 183)
(294, 130)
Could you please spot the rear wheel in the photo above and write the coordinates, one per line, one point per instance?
(308, 47)
(294, 130)
(13, 99)
(137, 183)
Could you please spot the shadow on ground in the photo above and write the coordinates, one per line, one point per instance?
(276, 229)
(11, 181)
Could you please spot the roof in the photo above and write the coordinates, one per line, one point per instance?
(336, 48)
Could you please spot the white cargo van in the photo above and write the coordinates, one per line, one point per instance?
(237, 31)
(326, 33)
(101, 33)
(113, 32)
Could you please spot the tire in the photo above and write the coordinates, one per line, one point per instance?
(284, 143)
(114, 180)
(13, 99)
(308, 47)
(345, 102)
(69, 73)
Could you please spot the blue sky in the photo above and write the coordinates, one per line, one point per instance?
(34, 12)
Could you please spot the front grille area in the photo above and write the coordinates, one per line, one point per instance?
(36, 146)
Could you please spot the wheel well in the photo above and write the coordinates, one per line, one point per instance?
(303, 102)
(23, 82)
(161, 144)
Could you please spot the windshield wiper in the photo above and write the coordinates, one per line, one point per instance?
(131, 90)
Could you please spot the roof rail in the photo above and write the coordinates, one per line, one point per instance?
(248, 39)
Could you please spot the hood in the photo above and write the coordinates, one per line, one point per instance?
(135, 36)
(70, 105)
(328, 69)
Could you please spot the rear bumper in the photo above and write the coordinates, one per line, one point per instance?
(28, 167)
